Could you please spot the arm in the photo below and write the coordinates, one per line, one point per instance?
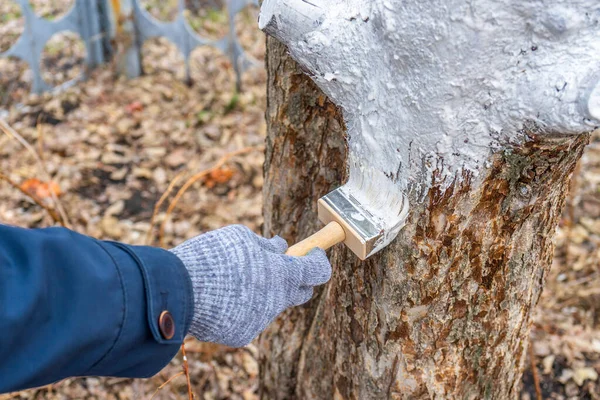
(71, 305)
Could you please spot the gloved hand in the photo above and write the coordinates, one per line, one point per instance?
(242, 281)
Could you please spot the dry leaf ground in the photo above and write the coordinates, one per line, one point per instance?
(113, 146)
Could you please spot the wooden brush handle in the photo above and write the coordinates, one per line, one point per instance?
(330, 235)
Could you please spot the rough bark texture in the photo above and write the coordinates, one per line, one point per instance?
(445, 310)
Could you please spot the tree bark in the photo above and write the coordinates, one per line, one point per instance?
(445, 310)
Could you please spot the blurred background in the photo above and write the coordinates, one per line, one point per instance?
(164, 156)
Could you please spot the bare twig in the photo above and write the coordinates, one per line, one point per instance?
(173, 390)
(159, 204)
(15, 135)
(165, 384)
(33, 197)
(40, 139)
(186, 370)
(196, 177)
(534, 372)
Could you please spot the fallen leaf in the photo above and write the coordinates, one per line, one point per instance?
(115, 208)
(40, 189)
(111, 227)
(565, 376)
(142, 173)
(134, 107)
(119, 174)
(218, 176)
(249, 394)
(548, 362)
(113, 158)
(582, 374)
(250, 365)
(177, 158)
(125, 126)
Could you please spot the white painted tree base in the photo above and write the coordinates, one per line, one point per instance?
(439, 85)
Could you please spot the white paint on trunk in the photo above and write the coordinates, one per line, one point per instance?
(380, 197)
(438, 85)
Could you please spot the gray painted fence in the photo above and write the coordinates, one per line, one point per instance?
(97, 21)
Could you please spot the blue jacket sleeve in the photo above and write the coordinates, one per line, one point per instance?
(71, 305)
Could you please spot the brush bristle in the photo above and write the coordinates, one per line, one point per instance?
(371, 205)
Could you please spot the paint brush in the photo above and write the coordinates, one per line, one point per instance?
(365, 214)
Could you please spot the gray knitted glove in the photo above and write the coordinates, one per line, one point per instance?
(242, 281)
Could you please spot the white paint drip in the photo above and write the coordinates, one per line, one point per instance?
(380, 197)
(593, 98)
(439, 85)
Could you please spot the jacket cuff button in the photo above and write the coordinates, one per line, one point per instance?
(166, 325)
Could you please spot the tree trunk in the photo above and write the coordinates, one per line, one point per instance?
(445, 310)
